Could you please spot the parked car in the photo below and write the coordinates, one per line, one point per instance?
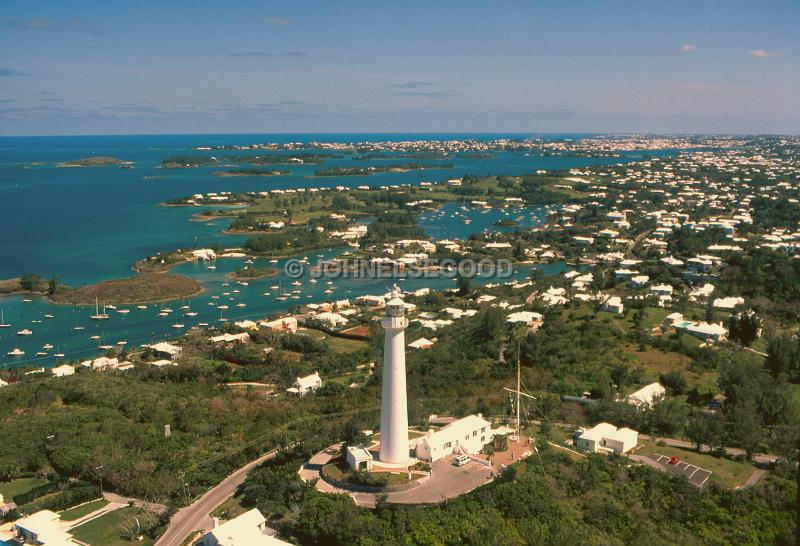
(461, 460)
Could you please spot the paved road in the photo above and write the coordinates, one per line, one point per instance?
(447, 481)
(194, 517)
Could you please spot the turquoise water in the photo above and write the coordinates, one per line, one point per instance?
(90, 224)
(460, 220)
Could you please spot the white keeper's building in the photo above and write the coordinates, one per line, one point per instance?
(467, 436)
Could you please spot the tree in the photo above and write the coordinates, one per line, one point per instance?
(746, 426)
(464, 285)
(744, 328)
(29, 281)
(783, 357)
(674, 381)
(53, 286)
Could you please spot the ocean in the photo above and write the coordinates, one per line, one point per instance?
(85, 225)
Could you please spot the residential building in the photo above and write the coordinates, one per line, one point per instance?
(605, 437)
(248, 529)
(305, 385)
(466, 436)
(647, 395)
(284, 324)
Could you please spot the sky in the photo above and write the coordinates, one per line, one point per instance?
(146, 67)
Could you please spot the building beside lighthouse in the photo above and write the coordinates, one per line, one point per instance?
(394, 446)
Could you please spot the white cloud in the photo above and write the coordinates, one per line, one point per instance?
(687, 48)
(760, 53)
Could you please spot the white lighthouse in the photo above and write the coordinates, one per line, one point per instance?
(394, 404)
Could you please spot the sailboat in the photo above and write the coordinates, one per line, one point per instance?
(2, 320)
(97, 314)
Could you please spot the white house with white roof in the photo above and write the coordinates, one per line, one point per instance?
(305, 385)
(62, 371)
(647, 395)
(605, 437)
(248, 529)
(466, 436)
(44, 528)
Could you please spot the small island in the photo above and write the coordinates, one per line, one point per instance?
(98, 161)
(251, 172)
(142, 288)
(253, 273)
(366, 171)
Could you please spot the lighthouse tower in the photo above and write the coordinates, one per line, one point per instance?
(394, 404)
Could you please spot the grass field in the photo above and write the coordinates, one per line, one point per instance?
(728, 473)
(21, 485)
(109, 530)
(229, 509)
(84, 509)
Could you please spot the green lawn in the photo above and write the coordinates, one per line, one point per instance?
(109, 530)
(229, 509)
(342, 345)
(21, 485)
(728, 473)
(78, 512)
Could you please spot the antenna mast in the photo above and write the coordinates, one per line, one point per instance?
(518, 388)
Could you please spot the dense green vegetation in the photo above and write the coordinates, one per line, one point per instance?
(548, 499)
(287, 242)
(141, 288)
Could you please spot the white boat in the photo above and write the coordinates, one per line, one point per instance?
(211, 267)
(191, 314)
(185, 307)
(79, 328)
(297, 283)
(273, 261)
(123, 311)
(24, 332)
(48, 316)
(15, 352)
(3, 321)
(122, 342)
(110, 306)
(95, 338)
(47, 346)
(241, 305)
(177, 325)
(59, 355)
(244, 283)
(329, 291)
(141, 307)
(274, 287)
(204, 324)
(163, 314)
(41, 353)
(166, 310)
(97, 314)
(105, 347)
(26, 300)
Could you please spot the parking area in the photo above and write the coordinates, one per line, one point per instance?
(695, 474)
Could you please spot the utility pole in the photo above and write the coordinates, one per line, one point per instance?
(183, 484)
(797, 499)
(99, 479)
(518, 389)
